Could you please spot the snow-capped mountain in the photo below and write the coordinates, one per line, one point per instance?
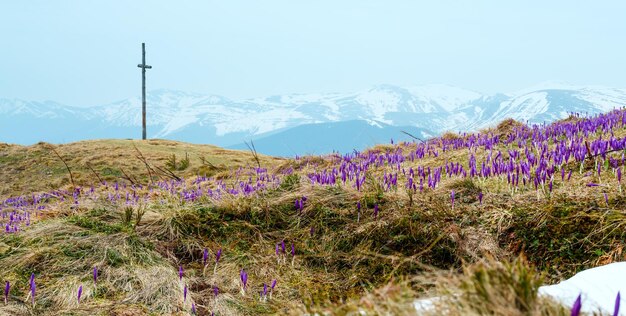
(203, 118)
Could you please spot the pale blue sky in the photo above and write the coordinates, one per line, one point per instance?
(86, 52)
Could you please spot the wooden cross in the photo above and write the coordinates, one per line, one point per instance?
(143, 67)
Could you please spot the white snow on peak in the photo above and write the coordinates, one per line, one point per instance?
(448, 97)
(527, 105)
(548, 85)
(373, 123)
(177, 122)
(260, 122)
(434, 107)
(379, 101)
(604, 98)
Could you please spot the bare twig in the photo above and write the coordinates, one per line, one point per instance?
(205, 162)
(94, 172)
(254, 152)
(143, 159)
(127, 177)
(606, 152)
(412, 136)
(168, 173)
(66, 166)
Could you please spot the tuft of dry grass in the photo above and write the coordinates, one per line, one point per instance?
(62, 255)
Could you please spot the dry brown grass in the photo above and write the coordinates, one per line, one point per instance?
(350, 264)
(28, 169)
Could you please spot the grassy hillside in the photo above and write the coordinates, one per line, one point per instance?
(486, 217)
(37, 167)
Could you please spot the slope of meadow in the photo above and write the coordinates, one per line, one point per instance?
(28, 169)
(484, 217)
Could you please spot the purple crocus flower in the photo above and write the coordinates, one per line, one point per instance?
(452, 198)
(80, 292)
(264, 293)
(180, 273)
(375, 211)
(591, 184)
(480, 197)
(617, 302)
(33, 287)
(293, 250)
(243, 275)
(272, 288)
(577, 306)
(599, 169)
(205, 256)
(95, 275)
(282, 246)
(216, 290)
(218, 255)
(619, 175)
(7, 288)
(193, 308)
(185, 293)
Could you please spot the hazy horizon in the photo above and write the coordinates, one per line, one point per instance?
(84, 53)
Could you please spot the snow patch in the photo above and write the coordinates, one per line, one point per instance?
(598, 288)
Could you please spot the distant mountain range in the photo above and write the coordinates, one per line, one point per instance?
(301, 123)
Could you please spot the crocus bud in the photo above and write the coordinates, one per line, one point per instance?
(80, 292)
(452, 195)
(243, 275)
(576, 307)
(7, 288)
(218, 255)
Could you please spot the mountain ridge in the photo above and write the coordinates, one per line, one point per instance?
(210, 118)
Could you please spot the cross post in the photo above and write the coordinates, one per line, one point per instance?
(143, 67)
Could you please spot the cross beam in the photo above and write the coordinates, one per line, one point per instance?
(143, 67)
